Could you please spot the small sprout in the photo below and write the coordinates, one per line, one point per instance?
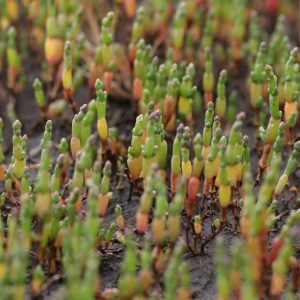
(221, 98)
(119, 218)
(101, 111)
(38, 280)
(197, 225)
(39, 94)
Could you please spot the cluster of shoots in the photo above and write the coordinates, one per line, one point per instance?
(160, 133)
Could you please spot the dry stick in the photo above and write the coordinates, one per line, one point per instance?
(223, 217)
(92, 21)
(71, 102)
(197, 239)
(187, 238)
(57, 81)
(210, 238)
(195, 243)
(132, 188)
(258, 177)
(132, 184)
(12, 198)
(52, 256)
(50, 281)
(235, 209)
(202, 203)
(118, 91)
(205, 216)
(235, 217)
(120, 181)
(88, 53)
(157, 43)
(213, 197)
(262, 164)
(125, 68)
(279, 217)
